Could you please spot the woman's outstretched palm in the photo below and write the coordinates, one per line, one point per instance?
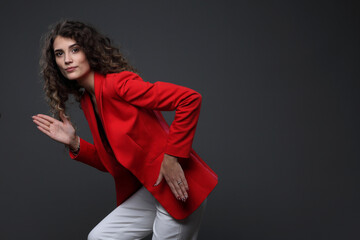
(61, 131)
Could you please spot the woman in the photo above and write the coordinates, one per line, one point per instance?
(161, 183)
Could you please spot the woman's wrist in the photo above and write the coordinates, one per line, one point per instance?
(171, 158)
(74, 144)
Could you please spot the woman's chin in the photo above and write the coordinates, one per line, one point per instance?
(71, 77)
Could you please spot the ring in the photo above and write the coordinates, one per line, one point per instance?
(179, 182)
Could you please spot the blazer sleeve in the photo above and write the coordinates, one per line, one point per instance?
(88, 155)
(164, 96)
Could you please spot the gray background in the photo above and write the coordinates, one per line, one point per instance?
(279, 121)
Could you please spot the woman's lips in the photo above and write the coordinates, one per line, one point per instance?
(70, 69)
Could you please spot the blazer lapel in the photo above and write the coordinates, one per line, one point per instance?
(94, 128)
(98, 79)
(90, 116)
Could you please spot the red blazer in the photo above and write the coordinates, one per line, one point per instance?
(138, 135)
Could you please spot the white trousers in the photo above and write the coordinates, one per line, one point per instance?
(141, 215)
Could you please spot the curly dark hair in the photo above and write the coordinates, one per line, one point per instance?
(102, 56)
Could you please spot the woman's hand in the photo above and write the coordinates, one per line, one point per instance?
(174, 176)
(61, 131)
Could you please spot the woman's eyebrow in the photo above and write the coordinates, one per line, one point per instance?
(73, 45)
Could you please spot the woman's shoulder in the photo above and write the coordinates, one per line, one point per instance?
(116, 81)
(122, 75)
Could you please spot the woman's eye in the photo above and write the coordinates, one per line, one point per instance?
(74, 50)
(58, 54)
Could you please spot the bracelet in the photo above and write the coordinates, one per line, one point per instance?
(77, 150)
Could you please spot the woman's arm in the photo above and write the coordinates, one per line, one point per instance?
(64, 132)
(87, 154)
(165, 96)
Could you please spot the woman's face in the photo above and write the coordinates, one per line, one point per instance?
(71, 59)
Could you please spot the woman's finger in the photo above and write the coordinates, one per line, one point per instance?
(182, 184)
(177, 188)
(44, 131)
(159, 179)
(42, 125)
(50, 119)
(186, 185)
(173, 189)
(181, 193)
(63, 117)
(43, 121)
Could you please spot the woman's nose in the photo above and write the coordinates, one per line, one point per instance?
(67, 59)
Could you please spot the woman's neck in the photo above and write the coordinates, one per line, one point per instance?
(87, 82)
